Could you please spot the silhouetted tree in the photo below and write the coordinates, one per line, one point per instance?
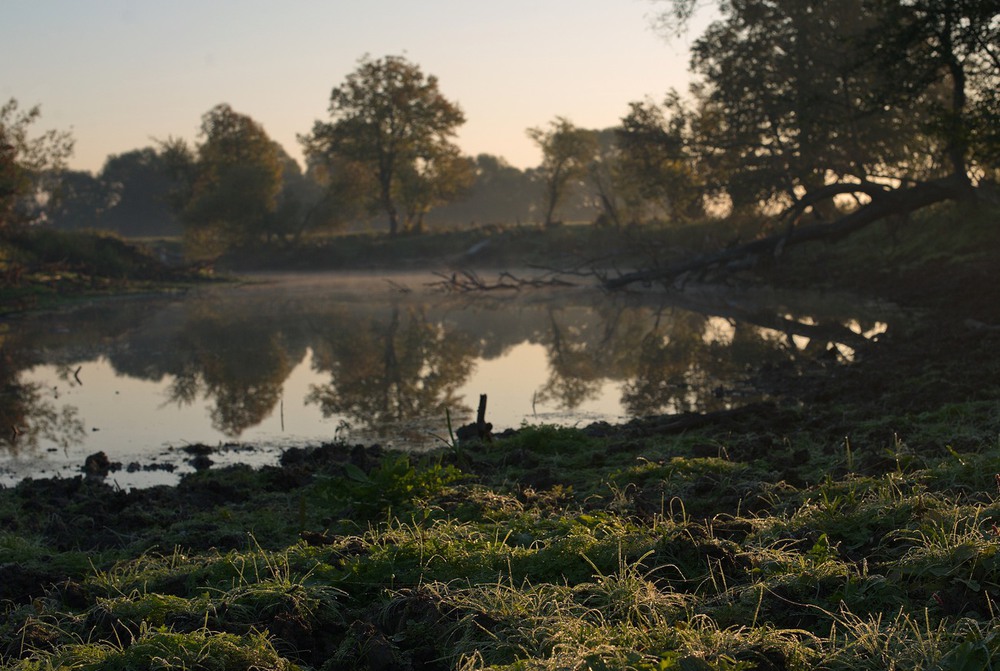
(657, 156)
(29, 166)
(819, 93)
(139, 185)
(392, 127)
(82, 201)
(890, 105)
(228, 185)
(499, 194)
(567, 151)
(945, 55)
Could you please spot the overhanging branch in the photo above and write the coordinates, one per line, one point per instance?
(888, 203)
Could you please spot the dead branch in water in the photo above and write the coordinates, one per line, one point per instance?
(397, 287)
(466, 281)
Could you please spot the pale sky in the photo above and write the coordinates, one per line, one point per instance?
(118, 73)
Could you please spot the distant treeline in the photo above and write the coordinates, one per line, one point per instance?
(812, 119)
(130, 196)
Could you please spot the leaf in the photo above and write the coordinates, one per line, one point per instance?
(356, 474)
(969, 656)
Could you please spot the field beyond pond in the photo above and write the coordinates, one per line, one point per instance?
(849, 523)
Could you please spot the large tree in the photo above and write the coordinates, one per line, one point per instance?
(228, 185)
(891, 102)
(391, 125)
(800, 99)
(29, 166)
(129, 197)
(567, 153)
(139, 184)
(657, 156)
(818, 93)
(83, 199)
(951, 47)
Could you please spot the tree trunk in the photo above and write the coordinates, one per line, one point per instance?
(390, 209)
(957, 142)
(385, 182)
(898, 202)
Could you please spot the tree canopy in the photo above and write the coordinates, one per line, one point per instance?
(567, 153)
(390, 132)
(800, 96)
(128, 196)
(891, 104)
(139, 185)
(29, 166)
(228, 185)
(658, 158)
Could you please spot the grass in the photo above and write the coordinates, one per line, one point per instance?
(469, 569)
(41, 268)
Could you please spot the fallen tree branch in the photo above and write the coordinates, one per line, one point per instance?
(466, 281)
(870, 189)
(891, 203)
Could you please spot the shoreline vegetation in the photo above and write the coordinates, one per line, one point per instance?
(852, 523)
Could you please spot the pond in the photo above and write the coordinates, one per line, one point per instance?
(240, 372)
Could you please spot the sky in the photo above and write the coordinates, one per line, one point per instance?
(121, 74)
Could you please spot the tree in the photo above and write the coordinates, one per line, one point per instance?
(139, 185)
(496, 195)
(817, 96)
(659, 156)
(567, 151)
(892, 103)
(617, 199)
(83, 199)
(954, 46)
(29, 167)
(391, 123)
(346, 188)
(228, 186)
(299, 201)
(798, 94)
(425, 184)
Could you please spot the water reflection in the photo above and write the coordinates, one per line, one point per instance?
(385, 370)
(378, 360)
(27, 416)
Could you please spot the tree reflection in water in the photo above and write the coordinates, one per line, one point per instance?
(388, 370)
(690, 363)
(27, 417)
(238, 362)
(384, 362)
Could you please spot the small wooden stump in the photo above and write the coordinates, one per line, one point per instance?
(481, 429)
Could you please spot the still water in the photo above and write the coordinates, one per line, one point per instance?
(252, 369)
